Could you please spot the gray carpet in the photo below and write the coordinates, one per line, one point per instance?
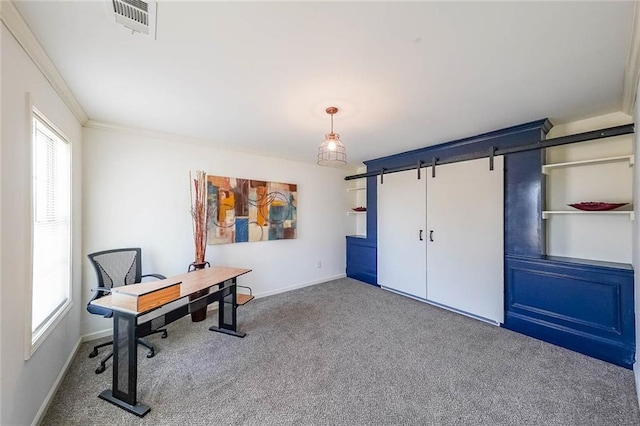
(344, 352)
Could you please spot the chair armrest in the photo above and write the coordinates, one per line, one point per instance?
(99, 292)
(158, 276)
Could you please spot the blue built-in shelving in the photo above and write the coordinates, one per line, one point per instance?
(586, 306)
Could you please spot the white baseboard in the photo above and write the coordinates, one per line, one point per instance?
(636, 372)
(214, 306)
(297, 286)
(56, 385)
(97, 335)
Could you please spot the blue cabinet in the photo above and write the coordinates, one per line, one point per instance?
(584, 306)
(361, 259)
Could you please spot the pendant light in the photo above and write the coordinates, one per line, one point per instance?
(332, 152)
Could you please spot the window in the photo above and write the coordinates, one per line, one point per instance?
(51, 228)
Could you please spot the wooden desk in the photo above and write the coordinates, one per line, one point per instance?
(126, 328)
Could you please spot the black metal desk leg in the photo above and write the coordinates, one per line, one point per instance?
(227, 320)
(125, 366)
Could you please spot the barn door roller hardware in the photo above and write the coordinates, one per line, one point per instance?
(492, 153)
(548, 143)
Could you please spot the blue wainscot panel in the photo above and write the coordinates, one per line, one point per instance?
(361, 259)
(587, 307)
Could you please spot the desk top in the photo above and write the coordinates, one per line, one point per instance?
(191, 282)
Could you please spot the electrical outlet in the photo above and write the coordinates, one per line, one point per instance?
(319, 264)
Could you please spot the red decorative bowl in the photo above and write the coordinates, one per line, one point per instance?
(593, 206)
(359, 209)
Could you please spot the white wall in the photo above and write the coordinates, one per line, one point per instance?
(1, 233)
(136, 193)
(26, 384)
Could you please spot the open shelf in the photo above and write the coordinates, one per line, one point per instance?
(357, 197)
(547, 213)
(594, 171)
(622, 158)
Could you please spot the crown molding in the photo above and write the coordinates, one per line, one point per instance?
(136, 131)
(632, 70)
(14, 22)
(154, 134)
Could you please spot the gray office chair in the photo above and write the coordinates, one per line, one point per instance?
(116, 268)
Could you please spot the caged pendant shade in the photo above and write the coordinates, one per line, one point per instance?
(332, 152)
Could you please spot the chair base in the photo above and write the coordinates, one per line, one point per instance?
(94, 352)
(103, 363)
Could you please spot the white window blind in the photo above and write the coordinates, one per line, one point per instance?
(51, 277)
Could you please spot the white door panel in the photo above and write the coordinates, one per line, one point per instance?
(465, 218)
(401, 217)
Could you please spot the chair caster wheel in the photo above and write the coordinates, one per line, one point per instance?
(100, 369)
(164, 334)
(94, 353)
(151, 354)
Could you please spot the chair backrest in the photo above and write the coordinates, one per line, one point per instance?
(117, 267)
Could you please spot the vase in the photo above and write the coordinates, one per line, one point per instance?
(200, 314)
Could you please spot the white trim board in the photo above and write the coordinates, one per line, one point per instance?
(97, 335)
(636, 373)
(297, 286)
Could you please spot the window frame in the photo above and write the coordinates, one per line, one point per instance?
(34, 339)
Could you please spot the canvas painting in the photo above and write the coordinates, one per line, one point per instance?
(245, 210)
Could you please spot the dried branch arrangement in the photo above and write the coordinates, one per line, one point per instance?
(199, 213)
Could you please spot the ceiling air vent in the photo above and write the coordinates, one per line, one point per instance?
(137, 15)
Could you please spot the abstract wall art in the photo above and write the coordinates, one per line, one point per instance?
(246, 210)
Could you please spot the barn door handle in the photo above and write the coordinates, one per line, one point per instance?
(431, 235)
(420, 235)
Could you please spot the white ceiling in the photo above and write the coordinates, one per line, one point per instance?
(258, 76)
